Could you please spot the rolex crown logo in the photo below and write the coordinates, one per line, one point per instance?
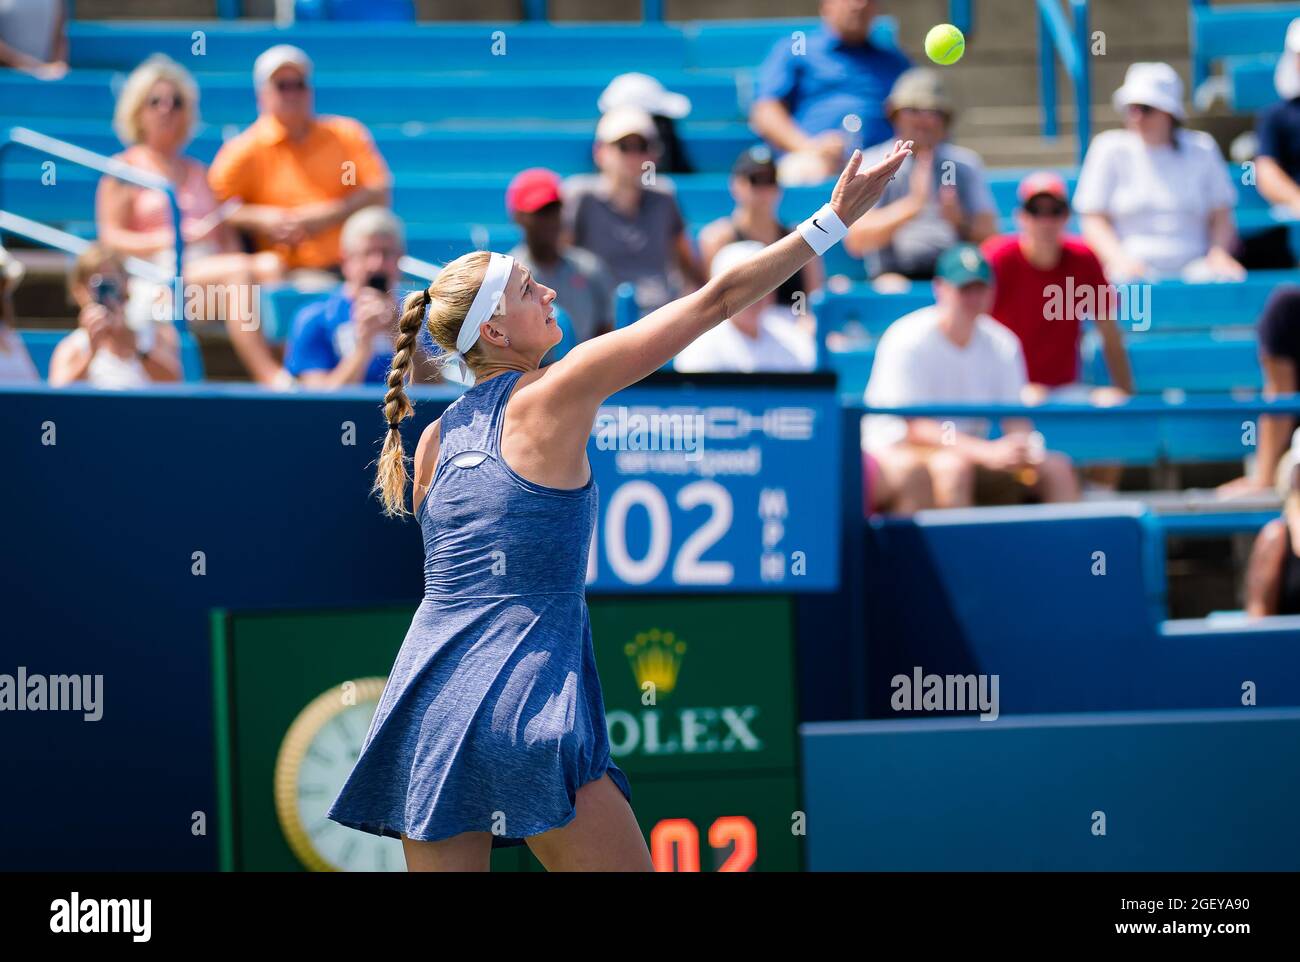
(656, 657)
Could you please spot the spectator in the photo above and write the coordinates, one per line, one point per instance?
(156, 114)
(821, 94)
(940, 196)
(647, 93)
(955, 352)
(34, 38)
(633, 225)
(1277, 158)
(1155, 198)
(581, 283)
(348, 337)
(1273, 576)
(761, 337)
(1040, 265)
(16, 365)
(299, 176)
(104, 351)
(757, 196)
(1279, 359)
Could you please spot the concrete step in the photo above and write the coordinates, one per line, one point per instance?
(987, 81)
(149, 10)
(1022, 151)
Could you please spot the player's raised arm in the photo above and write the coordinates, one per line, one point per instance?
(604, 365)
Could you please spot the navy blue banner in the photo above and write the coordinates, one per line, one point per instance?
(725, 488)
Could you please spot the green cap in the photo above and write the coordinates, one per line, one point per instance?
(962, 265)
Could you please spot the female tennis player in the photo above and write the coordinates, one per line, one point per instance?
(491, 729)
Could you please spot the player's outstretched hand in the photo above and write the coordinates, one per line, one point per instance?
(857, 191)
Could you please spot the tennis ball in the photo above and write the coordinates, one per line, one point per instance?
(945, 44)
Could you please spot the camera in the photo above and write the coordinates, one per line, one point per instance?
(105, 290)
(378, 281)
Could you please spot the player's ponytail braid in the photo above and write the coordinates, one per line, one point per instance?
(446, 302)
(391, 477)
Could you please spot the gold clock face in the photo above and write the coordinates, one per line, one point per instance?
(315, 759)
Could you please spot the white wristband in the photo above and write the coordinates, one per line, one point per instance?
(823, 230)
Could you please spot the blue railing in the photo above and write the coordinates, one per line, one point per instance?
(44, 234)
(1136, 407)
(1200, 64)
(961, 16)
(1065, 38)
(30, 139)
(48, 236)
(652, 11)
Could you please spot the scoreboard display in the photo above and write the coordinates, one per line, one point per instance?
(700, 708)
(717, 489)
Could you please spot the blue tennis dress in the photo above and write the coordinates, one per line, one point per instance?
(492, 718)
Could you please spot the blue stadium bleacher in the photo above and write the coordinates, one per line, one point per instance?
(453, 161)
(1192, 338)
(1247, 39)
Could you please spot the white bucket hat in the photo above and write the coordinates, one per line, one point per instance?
(1286, 78)
(642, 90)
(1153, 84)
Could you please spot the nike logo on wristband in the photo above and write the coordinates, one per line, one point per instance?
(819, 226)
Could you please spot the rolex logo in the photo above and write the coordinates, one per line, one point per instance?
(655, 657)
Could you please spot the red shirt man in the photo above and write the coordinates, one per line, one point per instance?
(1046, 283)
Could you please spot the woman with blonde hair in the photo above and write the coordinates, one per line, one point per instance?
(156, 115)
(491, 729)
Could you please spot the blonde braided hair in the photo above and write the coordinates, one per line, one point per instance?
(446, 301)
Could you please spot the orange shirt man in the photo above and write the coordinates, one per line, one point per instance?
(299, 176)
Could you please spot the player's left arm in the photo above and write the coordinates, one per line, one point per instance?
(604, 365)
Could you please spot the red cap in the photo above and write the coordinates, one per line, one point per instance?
(532, 189)
(1043, 182)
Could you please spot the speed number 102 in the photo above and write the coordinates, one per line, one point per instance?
(642, 497)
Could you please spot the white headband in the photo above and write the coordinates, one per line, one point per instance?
(489, 295)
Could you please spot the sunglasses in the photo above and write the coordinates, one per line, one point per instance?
(761, 179)
(290, 86)
(633, 145)
(174, 102)
(1143, 109)
(1048, 209)
(924, 112)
